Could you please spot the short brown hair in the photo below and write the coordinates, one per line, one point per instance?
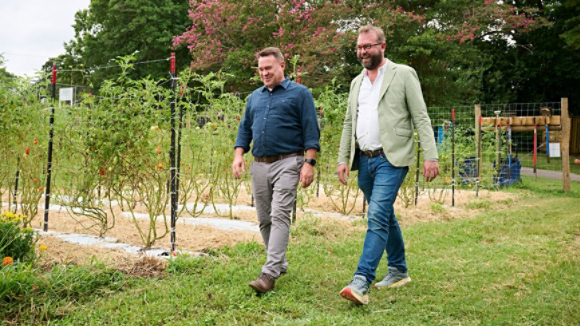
(272, 51)
(377, 30)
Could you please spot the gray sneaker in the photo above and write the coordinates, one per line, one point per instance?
(357, 290)
(394, 278)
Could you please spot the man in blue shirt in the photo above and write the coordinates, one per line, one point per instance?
(280, 118)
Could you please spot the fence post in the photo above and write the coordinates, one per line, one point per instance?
(15, 194)
(565, 146)
(49, 163)
(453, 157)
(417, 172)
(172, 177)
(180, 127)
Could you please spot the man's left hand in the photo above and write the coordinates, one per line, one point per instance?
(306, 175)
(430, 170)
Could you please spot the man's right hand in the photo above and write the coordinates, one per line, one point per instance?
(342, 170)
(239, 166)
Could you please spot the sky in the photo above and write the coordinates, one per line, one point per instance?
(32, 31)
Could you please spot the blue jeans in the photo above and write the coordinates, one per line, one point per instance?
(380, 181)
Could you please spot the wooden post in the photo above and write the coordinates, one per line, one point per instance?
(478, 136)
(535, 151)
(565, 145)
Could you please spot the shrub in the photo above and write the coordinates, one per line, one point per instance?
(15, 242)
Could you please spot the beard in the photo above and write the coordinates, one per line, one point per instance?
(373, 63)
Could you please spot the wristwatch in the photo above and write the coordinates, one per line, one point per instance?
(310, 161)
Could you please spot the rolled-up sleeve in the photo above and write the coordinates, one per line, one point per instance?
(245, 129)
(310, 129)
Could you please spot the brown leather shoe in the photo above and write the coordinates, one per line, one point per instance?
(265, 283)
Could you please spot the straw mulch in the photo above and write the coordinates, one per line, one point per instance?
(60, 252)
(204, 238)
(189, 237)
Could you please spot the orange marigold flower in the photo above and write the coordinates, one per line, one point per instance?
(7, 261)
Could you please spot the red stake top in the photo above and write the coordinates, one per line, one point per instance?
(298, 79)
(173, 62)
(453, 114)
(54, 75)
(480, 119)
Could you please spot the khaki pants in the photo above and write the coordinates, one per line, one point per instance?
(274, 187)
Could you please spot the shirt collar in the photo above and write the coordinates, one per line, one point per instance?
(284, 84)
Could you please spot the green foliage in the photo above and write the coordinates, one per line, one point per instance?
(541, 65)
(479, 204)
(437, 208)
(109, 29)
(15, 242)
(28, 293)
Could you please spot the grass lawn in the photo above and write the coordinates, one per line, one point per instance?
(554, 165)
(517, 263)
(544, 184)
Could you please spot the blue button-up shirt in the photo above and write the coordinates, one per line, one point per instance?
(279, 121)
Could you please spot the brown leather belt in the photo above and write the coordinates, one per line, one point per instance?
(370, 154)
(274, 158)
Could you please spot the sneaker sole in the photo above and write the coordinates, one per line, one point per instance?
(349, 295)
(394, 285)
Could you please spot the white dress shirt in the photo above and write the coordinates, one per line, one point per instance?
(368, 134)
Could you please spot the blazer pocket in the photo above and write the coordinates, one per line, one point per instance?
(403, 132)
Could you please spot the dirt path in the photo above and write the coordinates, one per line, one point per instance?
(556, 175)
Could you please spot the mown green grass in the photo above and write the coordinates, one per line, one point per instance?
(554, 165)
(513, 266)
(544, 185)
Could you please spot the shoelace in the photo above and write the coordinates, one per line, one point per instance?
(266, 277)
(359, 283)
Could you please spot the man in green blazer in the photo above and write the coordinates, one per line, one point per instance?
(385, 105)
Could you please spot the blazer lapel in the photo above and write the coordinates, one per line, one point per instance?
(389, 74)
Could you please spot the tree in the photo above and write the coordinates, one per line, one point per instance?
(4, 75)
(535, 66)
(435, 37)
(109, 29)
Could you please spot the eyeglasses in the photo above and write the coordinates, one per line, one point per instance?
(367, 46)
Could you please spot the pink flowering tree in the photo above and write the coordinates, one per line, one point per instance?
(437, 39)
(227, 34)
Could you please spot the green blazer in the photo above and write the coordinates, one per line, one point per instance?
(401, 110)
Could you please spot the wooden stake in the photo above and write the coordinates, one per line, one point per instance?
(565, 146)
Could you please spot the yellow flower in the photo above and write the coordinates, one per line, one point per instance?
(8, 214)
(42, 247)
(200, 175)
(469, 186)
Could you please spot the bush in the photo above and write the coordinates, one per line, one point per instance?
(16, 243)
